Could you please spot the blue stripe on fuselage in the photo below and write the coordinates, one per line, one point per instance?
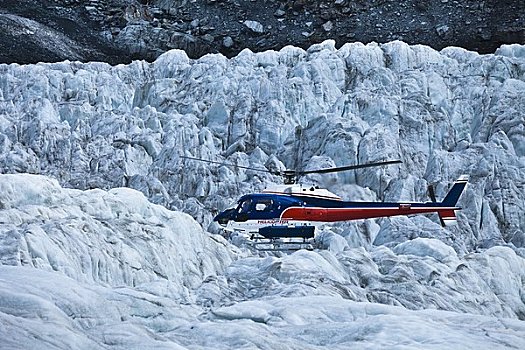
(282, 202)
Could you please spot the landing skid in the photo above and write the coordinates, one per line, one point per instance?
(281, 245)
(258, 243)
(276, 238)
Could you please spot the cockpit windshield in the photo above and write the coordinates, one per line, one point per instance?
(256, 205)
(245, 206)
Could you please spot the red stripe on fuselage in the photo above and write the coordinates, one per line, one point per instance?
(345, 214)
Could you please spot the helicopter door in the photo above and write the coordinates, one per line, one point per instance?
(264, 209)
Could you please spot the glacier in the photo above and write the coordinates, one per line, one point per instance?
(108, 269)
(106, 238)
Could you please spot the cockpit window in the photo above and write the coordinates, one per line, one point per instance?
(263, 205)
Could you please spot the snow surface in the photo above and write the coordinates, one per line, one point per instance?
(96, 269)
(87, 263)
(68, 314)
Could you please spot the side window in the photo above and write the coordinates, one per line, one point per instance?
(263, 205)
(260, 207)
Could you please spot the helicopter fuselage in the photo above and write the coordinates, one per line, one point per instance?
(296, 206)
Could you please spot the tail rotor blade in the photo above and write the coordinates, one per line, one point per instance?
(431, 193)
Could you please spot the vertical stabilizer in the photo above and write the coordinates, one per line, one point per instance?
(453, 195)
(448, 217)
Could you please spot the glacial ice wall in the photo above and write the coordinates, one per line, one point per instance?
(127, 272)
(442, 113)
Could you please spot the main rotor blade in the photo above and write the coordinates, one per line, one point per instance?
(232, 165)
(348, 167)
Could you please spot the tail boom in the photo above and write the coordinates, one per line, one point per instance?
(361, 211)
(367, 210)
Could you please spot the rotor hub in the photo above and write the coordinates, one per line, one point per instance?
(289, 177)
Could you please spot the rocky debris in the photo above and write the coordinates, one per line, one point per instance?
(121, 30)
(255, 26)
(227, 41)
(328, 26)
(279, 13)
(443, 31)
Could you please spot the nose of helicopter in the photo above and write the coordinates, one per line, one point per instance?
(223, 217)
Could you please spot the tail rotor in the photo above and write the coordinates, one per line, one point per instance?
(432, 195)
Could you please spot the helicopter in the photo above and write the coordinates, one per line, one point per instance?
(285, 217)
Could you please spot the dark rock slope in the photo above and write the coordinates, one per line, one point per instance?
(118, 31)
